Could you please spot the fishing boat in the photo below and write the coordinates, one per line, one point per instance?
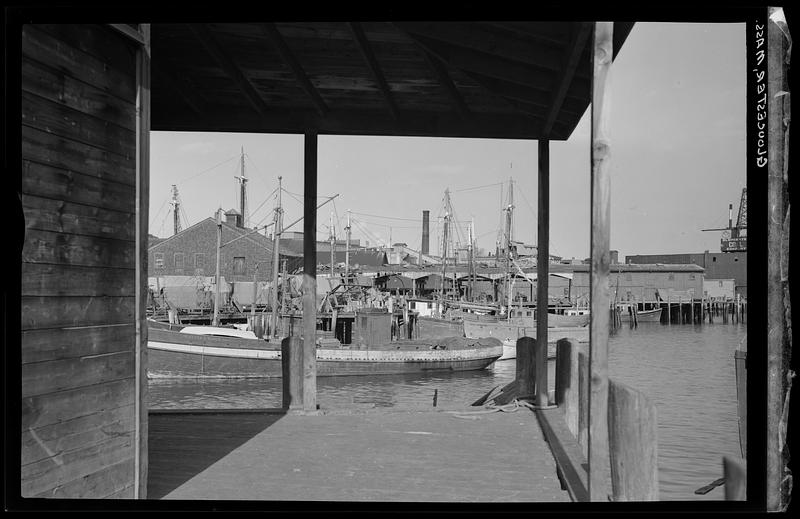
(220, 352)
(642, 316)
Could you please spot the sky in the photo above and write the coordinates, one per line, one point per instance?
(677, 130)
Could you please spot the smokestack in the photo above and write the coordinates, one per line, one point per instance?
(425, 232)
(730, 216)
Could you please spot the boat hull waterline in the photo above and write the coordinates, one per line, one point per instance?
(176, 355)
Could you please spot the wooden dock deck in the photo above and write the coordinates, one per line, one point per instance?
(370, 455)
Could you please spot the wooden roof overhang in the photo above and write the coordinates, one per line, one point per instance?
(513, 80)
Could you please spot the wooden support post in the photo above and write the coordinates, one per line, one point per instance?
(669, 310)
(310, 273)
(526, 359)
(292, 372)
(542, 271)
(633, 444)
(567, 396)
(779, 374)
(734, 471)
(600, 261)
(143, 63)
(583, 401)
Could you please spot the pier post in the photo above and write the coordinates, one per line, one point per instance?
(542, 271)
(633, 444)
(526, 375)
(567, 396)
(310, 272)
(600, 261)
(735, 473)
(292, 372)
(583, 401)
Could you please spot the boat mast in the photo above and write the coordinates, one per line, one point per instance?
(509, 238)
(471, 261)
(444, 244)
(347, 251)
(215, 321)
(242, 190)
(333, 245)
(276, 240)
(175, 203)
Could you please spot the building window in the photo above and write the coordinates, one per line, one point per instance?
(178, 260)
(671, 277)
(720, 284)
(691, 276)
(199, 260)
(238, 266)
(159, 257)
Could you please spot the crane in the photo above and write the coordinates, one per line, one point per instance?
(734, 238)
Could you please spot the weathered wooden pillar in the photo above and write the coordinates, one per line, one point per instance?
(600, 261)
(542, 271)
(567, 382)
(292, 372)
(143, 65)
(310, 272)
(779, 373)
(633, 444)
(525, 376)
(583, 401)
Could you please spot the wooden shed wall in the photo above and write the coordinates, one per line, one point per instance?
(78, 262)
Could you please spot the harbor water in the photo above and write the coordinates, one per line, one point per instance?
(686, 370)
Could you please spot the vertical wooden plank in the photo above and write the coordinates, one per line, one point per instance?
(542, 271)
(583, 401)
(142, 217)
(567, 381)
(777, 284)
(310, 272)
(525, 366)
(633, 444)
(600, 261)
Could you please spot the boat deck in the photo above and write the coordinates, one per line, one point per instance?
(360, 454)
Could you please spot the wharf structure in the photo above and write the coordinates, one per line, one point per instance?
(82, 397)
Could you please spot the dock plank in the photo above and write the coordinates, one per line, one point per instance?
(378, 455)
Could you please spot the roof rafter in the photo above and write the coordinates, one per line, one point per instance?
(188, 96)
(570, 64)
(477, 38)
(212, 46)
(289, 58)
(374, 67)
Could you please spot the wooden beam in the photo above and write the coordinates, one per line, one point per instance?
(546, 32)
(414, 123)
(212, 46)
(310, 272)
(440, 71)
(374, 67)
(523, 94)
(486, 64)
(778, 342)
(570, 65)
(476, 37)
(600, 261)
(289, 58)
(542, 270)
(143, 61)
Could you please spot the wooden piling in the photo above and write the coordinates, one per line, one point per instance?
(310, 272)
(542, 270)
(526, 375)
(566, 396)
(600, 261)
(292, 372)
(633, 444)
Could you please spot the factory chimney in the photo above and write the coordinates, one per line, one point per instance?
(425, 232)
